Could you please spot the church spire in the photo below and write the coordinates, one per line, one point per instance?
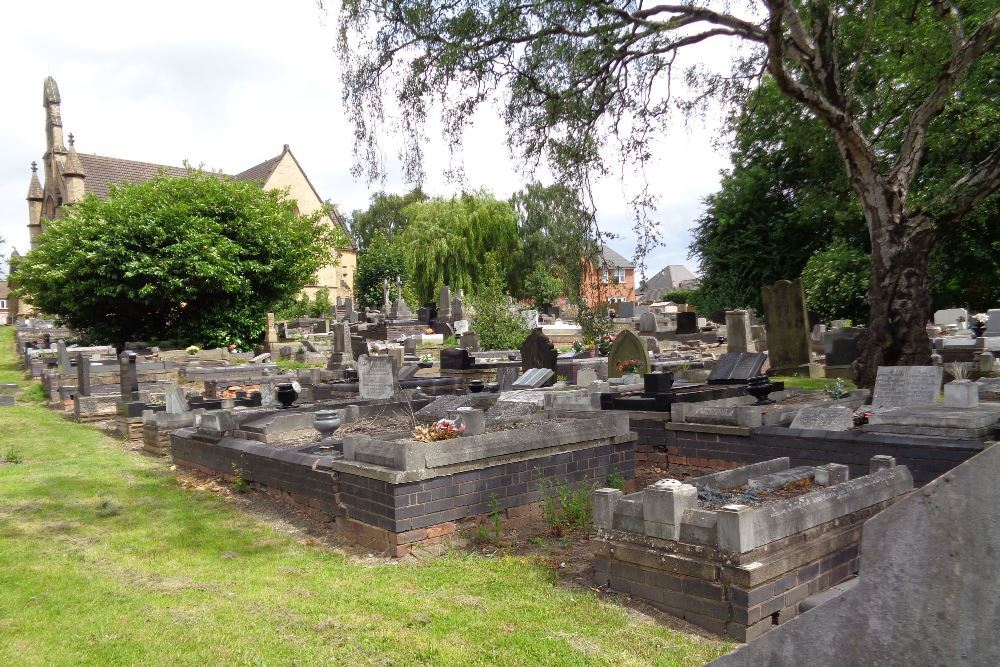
(34, 186)
(73, 174)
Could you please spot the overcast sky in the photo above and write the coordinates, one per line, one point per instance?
(225, 84)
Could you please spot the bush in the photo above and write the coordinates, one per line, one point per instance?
(836, 280)
(497, 326)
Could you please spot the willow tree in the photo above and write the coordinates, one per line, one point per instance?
(447, 241)
(575, 75)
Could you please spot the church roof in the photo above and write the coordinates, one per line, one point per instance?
(103, 171)
(259, 172)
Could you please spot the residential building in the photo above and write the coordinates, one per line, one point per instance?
(611, 279)
(670, 278)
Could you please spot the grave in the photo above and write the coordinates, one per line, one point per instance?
(841, 348)
(456, 359)
(647, 323)
(735, 552)
(966, 423)
(906, 386)
(505, 377)
(687, 323)
(737, 367)
(627, 346)
(993, 324)
(535, 378)
(738, 332)
(441, 406)
(537, 351)
(819, 418)
(376, 377)
(950, 316)
(788, 344)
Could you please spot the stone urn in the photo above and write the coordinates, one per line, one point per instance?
(326, 422)
(476, 386)
(760, 387)
(493, 387)
(286, 394)
(424, 364)
(978, 328)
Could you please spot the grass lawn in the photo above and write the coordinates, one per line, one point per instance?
(106, 560)
(814, 384)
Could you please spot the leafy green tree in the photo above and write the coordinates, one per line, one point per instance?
(885, 79)
(382, 260)
(383, 216)
(542, 287)
(197, 259)
(321, 304)
(498, 327)
(447, 241)
(835, 281)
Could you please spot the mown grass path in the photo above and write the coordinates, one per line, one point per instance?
(106, 560)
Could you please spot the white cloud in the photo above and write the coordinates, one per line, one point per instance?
(227, 83)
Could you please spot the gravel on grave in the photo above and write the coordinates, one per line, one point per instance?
(713, 500)
(384, 425)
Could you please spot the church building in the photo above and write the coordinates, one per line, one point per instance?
(69, 176)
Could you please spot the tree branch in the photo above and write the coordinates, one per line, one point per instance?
(954, 204)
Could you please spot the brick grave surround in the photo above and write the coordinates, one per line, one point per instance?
(398, 517)
(723, 447)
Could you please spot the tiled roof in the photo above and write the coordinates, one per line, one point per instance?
(259, 172)
(668, 278)
(101, 171)
(4, 290)
(613, 259)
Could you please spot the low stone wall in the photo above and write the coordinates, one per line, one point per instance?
(723, 447)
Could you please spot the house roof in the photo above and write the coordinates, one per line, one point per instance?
(668, 278)
(611, 258)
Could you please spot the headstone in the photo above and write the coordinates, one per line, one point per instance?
(833, 418)
(818, 332)
(385, 297)
(376, 377)
(534, 378)
(652, 345)
(470, 341)
(410, 346)
(961, 394)
(407, 371)
(267, 397)
(647, 323)
(176, 401)
(537, 351)
(737, 367)
(626, 310)
(788, 343)
(457, 309)
(738, 331)
(627, 346)
(906, 386)
(949, 316)
(444, 304)
(82, 374)
(272, 331)
(530, 318)
(461, 326)
(440, 407)
(585, 377)
(350, 314)
(261, 358)
(456, 359)
(687, 323)
(359, 346)
(128, 375)
(506, 375)
(63, 356)
(993, 324)
(841, 345)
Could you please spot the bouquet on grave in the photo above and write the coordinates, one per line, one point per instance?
(443, 429)
(628, 366)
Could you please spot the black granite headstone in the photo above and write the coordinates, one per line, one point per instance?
(737, 367)
(537, 351)
(687, 323)
(359, 346)
(456, 359)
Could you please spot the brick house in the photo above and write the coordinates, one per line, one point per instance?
(6, 317)
(610, 280)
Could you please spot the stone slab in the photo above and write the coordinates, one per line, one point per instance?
(939, 416)
(906, 386)
(833, 418)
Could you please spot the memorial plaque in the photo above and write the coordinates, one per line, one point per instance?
(534, 378)
(506, 376)
(906, 386)
(359, 346)
(832, 418)
(627, 346)
(502, 411)
(440, 407)
(737, 367)
(376, 379)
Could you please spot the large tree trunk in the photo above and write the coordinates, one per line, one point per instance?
(898, 297)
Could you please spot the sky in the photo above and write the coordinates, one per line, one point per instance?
(226, 84)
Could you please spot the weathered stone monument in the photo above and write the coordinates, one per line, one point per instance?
(738, 331)
(537, 351)
(788, 344)
(906, 386)
(647, 323)
(444, 305)
(376, 377)
(82, 374)
(341, 355)
(822, 418)
(627, 346)
(272, 334)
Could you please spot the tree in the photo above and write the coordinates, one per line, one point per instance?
(384, 216)
(542, 287)
(577, 73)
(380, 261)
(835, 281)
(447, 240)
(197, 259)
(498, 326)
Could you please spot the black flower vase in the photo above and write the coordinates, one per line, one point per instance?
(759, 387)
(978, 328)
(286, 394)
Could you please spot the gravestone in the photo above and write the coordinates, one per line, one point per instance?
(410, 346)
(457, 309)
(440, 407)
(444, 304)
(738, 331)
(376, 377)
(833, 418)
(906, 386)
(506, 375)
(128, 376)
(461, 326)
(736, 367)
(505, 411)
(407, 371)
(841, 345)
(63, 356)
(652, 345)
(534, 378)
(687, 323)
(530, 318)
(267, 397)
(586, 376)
(627, 346)
(788, 343)
(626, 310)
(470, 341)
(359, 346)
(400, 309)
(342, 353)
(272, 332)
(456, 359)
(647, 323)
(818, 332)
(82, 374)
(537, 351)
(993, 324)
(350, 314)
(949, 316)
(176, 401)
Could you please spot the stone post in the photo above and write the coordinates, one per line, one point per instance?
(735, 528)
(831, 474)
(128, 375)
(881, 462)
(603, 503)
(663, 505)
(63, 356)
(82, 374)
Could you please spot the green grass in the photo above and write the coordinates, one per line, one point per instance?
(292, 364)
(106, 560)
(813, 384)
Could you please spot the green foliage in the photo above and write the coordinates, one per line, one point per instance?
(490, 531)
(498, 327)
(565, 506)
(595, 327)
(13, 455)
(542, 287)
(836, 281)
(447, 241)
(383, 217)
(321, 303)
(195, 259)
(240, 483)
(616, 480)
(382, 260)
(108, 508)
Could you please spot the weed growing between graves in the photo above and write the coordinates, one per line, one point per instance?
(489, 531)
(12, 455)
(616, 480)
(33, 393)
(810, 384)
(240, 484)
(565, 506)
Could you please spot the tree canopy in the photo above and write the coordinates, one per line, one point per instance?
(383, 216)
(575, 76)
(381, 260)
(197, 259)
